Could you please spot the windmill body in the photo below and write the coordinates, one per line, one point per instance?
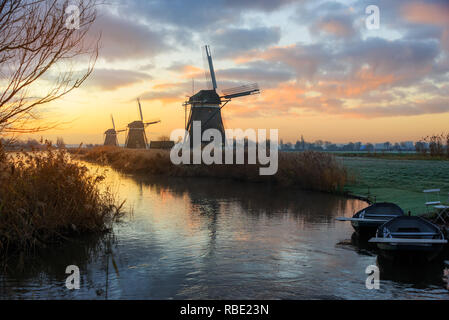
(206, 105)
(111, 138)
(137, 138)
(206, 108)
(111, 135)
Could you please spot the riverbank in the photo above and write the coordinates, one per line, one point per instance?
(398, 181)
(308, 170)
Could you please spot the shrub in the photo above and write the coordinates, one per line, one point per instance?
(46, 198)
(308, 170)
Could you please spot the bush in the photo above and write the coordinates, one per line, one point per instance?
(308, 170)
(45, 198)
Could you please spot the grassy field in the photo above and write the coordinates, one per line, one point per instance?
(398, 181)
(392, 155)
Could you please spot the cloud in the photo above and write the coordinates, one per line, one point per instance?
(339, 26)
(403, 61)
(108, 79)
(327, 77)
(260, 5)
(168, 92)
(430, 106)
(261, 72)
(230, 41)
(433, 13)
(125, 39)
(198, 14)
(436, 12)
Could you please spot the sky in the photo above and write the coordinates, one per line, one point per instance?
(322, 72)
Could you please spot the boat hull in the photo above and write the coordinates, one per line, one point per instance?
(365, 229)
(418, 252)
(410, 238)
(373, 217)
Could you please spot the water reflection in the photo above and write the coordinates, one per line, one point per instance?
(35, 276)
(209, 239)
(211, 196)
(418, 276)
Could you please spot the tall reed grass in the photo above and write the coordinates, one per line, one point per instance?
(437, 145)
(308, 170)
(46, 198)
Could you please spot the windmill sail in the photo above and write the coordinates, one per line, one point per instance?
(113, 123)
(140, 110)
(111, 135)
(241, 91)
(211, 67)
(152, 122)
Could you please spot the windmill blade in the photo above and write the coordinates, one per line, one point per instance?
(241, 91)
(152, 122)
(210, 63)
(206, 71)
(123, 130)
(113, 124)
(140, 110)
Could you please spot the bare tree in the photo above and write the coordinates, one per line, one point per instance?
(36, 38)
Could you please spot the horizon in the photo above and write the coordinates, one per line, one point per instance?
(122, 144)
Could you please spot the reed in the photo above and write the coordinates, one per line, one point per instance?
(46, 198)
(307, 170)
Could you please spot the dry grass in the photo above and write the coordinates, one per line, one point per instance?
(45, 198)
(307, 170)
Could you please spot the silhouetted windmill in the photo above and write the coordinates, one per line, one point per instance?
(137, 139)
(111, 135)
(206, 105)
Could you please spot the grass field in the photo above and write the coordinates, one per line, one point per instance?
(398, 181)
(392, 155)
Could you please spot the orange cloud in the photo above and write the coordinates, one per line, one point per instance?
(427, 13)
(169, 85)
(336, 28)
(365, 80)
(269, 54)
(189, 72)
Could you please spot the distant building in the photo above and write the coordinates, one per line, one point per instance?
(408, 145)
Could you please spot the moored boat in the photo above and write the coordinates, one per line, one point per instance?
(409, 237)
(366, 221)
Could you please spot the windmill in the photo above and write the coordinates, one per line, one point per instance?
(137, 139)
(206, 105)
(111, 135)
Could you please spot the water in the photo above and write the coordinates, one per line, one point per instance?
(208, 239)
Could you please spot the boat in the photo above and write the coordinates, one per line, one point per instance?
(366, 221)
(409, 237)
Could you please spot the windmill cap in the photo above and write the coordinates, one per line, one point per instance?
(206, 96)
(136, 124)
